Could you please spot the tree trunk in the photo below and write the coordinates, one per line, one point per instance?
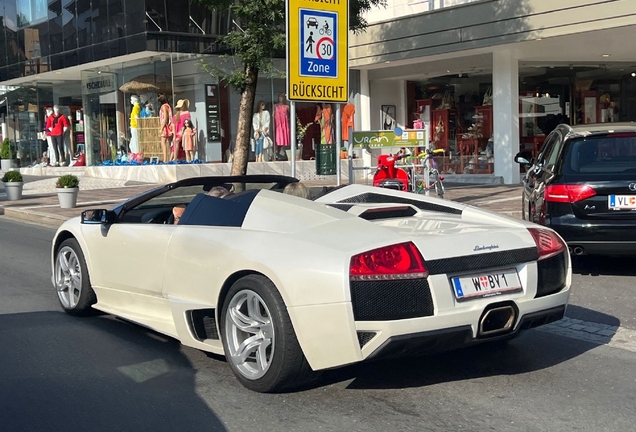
(244, 128)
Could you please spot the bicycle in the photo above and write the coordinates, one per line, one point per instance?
(325, 29)
(433, 172)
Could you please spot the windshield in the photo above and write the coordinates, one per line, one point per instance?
(601, 155)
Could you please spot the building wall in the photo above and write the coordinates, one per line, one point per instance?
(387, 93)
(483, 24)
(402, 8)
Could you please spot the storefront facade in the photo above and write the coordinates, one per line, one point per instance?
(490, 77)
(91, 58)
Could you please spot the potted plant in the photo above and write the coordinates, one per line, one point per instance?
(7, 155)
(344, 154)
(13, 184)
(301, 131)
(67, 189)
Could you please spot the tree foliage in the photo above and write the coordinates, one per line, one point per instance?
(258, 36)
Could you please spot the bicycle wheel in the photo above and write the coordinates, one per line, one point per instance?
(439, 188)
(321, 31)
(328, 32)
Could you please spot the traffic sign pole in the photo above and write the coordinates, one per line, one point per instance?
(338, 146)
(292, 141)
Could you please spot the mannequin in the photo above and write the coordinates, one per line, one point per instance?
(134, 122)
(59, 126)
(165, 118)
(48, 125)
(182, 114)
(281, 121)
(324, 117)
(260, 124)
(348, 112)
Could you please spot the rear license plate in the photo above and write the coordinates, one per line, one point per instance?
(622, 202)
(486, 284)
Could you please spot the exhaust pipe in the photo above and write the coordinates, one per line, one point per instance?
(578, 250)
(497, 320)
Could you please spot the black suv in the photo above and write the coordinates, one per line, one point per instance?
(583, 185)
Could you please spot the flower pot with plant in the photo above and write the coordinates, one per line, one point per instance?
(8, 156)
(344, 154)
(67, 188)
(13, 184)
(301, 131)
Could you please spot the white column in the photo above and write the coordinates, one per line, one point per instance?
(505, 83)
(402, 115)
(365, 114)
(365, 101)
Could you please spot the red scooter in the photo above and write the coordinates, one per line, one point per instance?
(388, 176)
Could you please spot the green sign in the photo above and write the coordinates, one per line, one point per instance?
(380, 139)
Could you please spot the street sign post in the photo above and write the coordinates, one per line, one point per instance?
(318, 50)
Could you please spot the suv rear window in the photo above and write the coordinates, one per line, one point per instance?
(606, 154)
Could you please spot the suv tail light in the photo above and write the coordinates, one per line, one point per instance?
(548, 242)
(571, 193)
(400, 261)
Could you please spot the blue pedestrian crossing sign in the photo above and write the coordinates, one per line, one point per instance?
(317, 50)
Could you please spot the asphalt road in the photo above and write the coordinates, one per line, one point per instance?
(59, 373)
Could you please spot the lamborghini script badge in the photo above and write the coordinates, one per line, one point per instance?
(481, 248)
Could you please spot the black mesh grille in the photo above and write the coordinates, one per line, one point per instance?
(389, 213)
(482, 261)
(380, 198)
(391, 300)
(203, 322)
(552, 275)
(365, 337)
(343, 207)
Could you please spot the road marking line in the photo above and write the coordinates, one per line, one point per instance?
(602, 334)
(496, 201)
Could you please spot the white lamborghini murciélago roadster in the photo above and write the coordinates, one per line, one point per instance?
(283, 285)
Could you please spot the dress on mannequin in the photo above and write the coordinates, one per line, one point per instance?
(182, 114)
(134, 117)
(281, 122)
(347, 120)
(59, 126)
(260, 126)
(324, 117)
(48, 126)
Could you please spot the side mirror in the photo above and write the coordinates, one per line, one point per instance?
(99, 216)
(524, 157)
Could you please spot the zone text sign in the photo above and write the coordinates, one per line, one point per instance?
(317, 50)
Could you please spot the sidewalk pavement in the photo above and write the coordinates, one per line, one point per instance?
(40, 205)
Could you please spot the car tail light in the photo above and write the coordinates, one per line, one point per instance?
(548, 242)
(400, 261)
(572, 193)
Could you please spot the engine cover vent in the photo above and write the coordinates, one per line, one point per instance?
(388, 213)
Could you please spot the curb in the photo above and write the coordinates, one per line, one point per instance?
(49, 220)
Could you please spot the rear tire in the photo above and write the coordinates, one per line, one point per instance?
(72, 281)
(259, 340)
(439, 189)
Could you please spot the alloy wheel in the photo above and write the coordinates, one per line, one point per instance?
(68, 277)
(249, 334)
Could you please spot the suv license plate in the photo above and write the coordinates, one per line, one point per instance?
(486, 284)
(622, 202)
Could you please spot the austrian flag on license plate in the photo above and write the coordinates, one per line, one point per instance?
(486, 284)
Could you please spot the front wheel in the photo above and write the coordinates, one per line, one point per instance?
(439, 189)
(71, 280)
(258, 338)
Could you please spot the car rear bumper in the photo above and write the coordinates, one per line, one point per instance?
(457, 337)
(594, 237)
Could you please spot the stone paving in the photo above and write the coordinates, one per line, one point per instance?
(602, 334)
